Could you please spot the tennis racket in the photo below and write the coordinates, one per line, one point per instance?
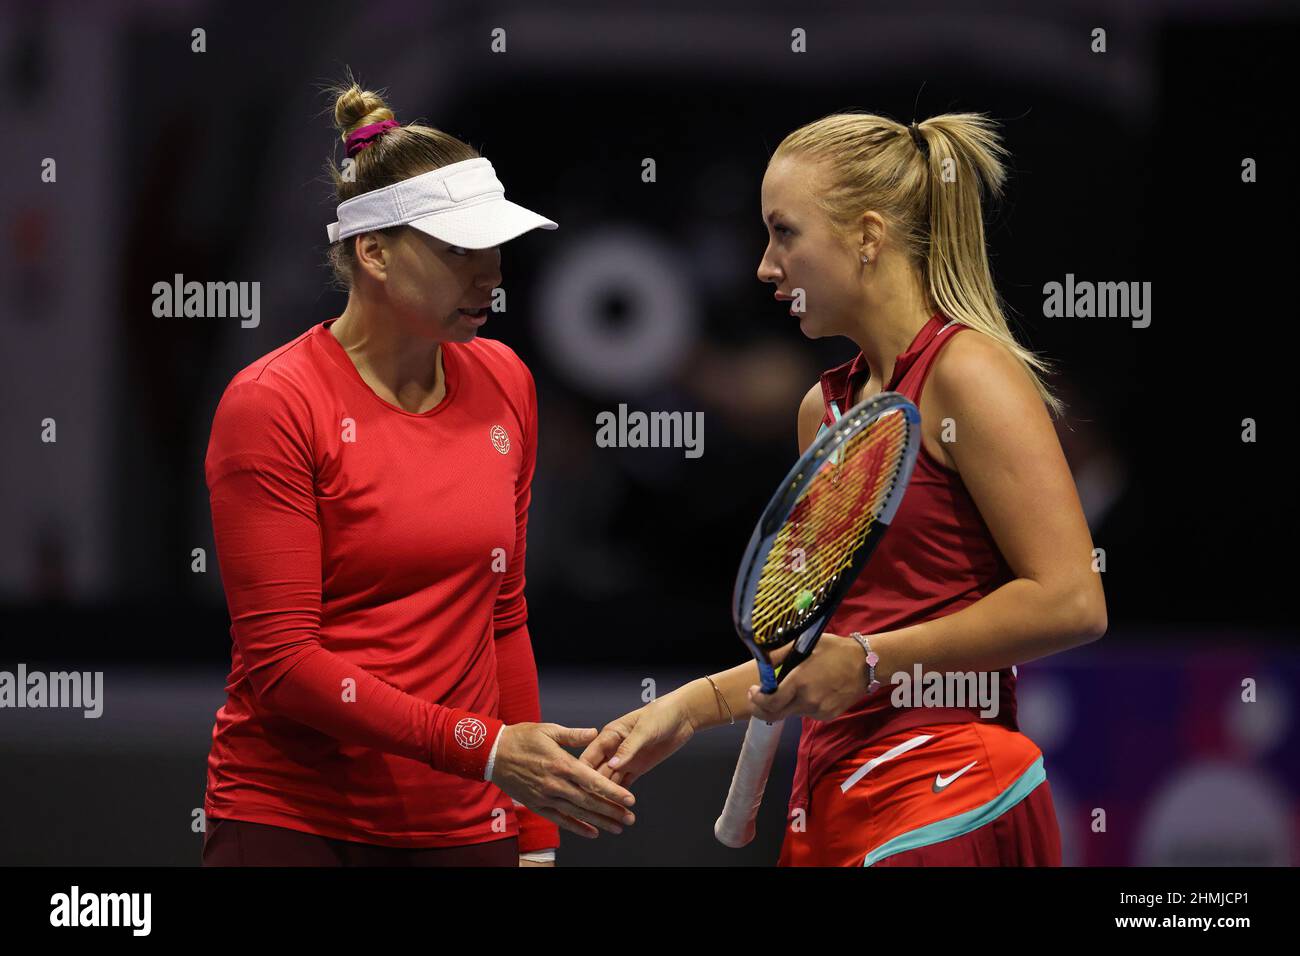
(813, 539)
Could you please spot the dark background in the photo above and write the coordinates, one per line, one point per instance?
(1126, 166)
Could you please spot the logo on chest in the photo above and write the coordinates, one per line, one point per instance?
(500, 439)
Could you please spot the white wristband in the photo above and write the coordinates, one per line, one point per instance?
(492, 757)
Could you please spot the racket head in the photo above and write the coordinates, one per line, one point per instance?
(835, 505)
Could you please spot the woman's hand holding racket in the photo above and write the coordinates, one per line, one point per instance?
(832, 680)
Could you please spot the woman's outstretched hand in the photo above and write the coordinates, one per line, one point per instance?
(631, 745)
(533, 768)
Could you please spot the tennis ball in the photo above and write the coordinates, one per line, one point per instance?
(804, 601)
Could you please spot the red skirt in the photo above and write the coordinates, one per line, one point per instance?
(967, 794)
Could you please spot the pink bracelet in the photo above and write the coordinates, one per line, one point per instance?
(873, 659)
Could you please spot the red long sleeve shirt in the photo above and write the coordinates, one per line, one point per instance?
(373, 564)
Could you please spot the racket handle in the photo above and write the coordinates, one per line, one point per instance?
(735, 827)
(793, 660)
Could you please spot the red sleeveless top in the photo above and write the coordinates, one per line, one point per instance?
(937, 558)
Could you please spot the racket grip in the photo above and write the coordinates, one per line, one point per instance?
(735, 827)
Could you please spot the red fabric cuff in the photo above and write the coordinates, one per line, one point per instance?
(463, 742)
(535, 832)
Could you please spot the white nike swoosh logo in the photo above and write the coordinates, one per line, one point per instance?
(940, 783)
(890, 754)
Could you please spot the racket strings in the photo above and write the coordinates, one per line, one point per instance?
(831, 520)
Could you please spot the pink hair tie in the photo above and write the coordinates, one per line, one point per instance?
(360, 138)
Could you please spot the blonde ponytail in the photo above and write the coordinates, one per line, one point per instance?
(932, 192)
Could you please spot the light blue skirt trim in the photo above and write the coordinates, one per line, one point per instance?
(942, 830)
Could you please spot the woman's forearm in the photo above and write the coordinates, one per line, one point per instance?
(701, 703)
(1019, 622)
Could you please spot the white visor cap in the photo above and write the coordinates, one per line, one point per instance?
(463, 204)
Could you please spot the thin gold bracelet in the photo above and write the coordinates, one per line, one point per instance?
(720, 697)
